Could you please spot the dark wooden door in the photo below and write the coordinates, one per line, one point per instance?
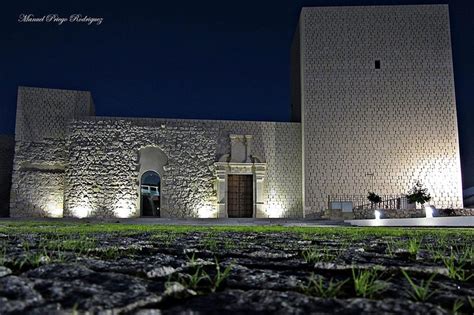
(240, 196)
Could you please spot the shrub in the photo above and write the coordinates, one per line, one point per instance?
(418, 194)
(449, 211)
(374, 198)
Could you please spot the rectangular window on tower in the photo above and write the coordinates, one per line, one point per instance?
(377, 64)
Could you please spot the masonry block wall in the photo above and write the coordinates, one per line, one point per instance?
(40, 148)
(7, 149)
(295, 76)
(102, 169)
(397, 122)
(279, 145)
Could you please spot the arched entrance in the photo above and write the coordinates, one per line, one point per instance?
(150, 194)
(152, 182)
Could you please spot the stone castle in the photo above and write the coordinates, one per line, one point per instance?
(373, 108)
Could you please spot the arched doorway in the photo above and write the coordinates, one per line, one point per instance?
(152, 182)
(150, 194)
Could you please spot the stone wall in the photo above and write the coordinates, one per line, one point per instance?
(102, 169)
(40, 148)
(279, 145)
(7, 149)
(410, 213)
(398, 122)
(295, 77)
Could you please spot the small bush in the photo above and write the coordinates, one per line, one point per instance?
(374, 198)
(418, 194)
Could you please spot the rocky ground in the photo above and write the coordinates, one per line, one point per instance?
(44, 270)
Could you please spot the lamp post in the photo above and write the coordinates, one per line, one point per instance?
(372, 180)
(372, 188)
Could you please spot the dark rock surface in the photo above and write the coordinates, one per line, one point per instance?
(230, 272)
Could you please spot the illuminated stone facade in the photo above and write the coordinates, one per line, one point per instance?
(92, 167)
(40, 148)
(374, 89)
(372, 93)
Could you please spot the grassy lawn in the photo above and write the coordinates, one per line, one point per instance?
(62, 227)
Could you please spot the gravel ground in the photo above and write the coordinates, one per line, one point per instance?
(331, 270)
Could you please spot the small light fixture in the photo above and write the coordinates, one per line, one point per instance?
(377, 214)
(274, 210)
(429, 211)
(123, 209)
(81, 211)
(206, 212)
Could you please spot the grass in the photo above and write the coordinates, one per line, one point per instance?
(420, 292)
(166, 239)
(220, 276)
(464, 254)
(437, 254)
(392, 246)
(192, 261)
(470, 299)
(313, 255)
(83, 227)
(456, 268)
(316, 286)
(457, 305)
(414, 245)
(3, 254)
(32, 259)
(210, 243)
(367, 283)
(229, 244)
(192, 281)
(200, 280)
(80, 245)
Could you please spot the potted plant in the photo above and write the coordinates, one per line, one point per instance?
(374, 198)
(418, 194)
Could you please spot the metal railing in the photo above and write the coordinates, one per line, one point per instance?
(150, 190)
(360, 202)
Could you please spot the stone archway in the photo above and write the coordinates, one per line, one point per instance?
(152, 162)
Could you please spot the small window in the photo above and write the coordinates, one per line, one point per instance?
(377, 64)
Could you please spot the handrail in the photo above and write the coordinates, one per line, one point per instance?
(361, 202)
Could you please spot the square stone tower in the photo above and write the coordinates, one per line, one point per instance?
(373, 88)
(41, 152)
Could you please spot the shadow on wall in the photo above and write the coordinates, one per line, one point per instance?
(32, 211)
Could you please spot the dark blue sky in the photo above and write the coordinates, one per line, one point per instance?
(186, 59)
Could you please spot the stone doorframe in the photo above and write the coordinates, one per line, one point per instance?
(258, 170)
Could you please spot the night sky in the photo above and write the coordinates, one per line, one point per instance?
(186, 59)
